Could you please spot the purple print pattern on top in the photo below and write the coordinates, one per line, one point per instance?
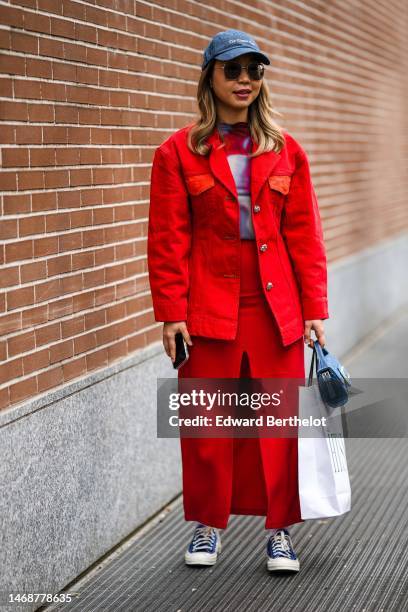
(238, 144)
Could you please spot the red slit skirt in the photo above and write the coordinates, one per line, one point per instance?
(257, 476)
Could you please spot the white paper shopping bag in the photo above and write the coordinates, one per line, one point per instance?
(324, 485)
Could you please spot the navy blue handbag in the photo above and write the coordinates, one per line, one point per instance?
(332, 377)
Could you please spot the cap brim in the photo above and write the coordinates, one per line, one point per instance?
(232, 53)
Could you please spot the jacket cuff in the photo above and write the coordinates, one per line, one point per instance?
(170, 311)
(315, 309)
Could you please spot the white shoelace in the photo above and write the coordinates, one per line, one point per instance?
(280, 543)
(203, 537)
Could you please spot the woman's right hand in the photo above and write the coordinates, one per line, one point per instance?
(170, 329)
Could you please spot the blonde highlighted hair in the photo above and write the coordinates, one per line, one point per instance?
(263, 128)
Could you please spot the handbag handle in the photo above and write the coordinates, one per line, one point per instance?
(316, 347)
(310, 379)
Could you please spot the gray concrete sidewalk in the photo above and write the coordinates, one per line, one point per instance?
(355, 562)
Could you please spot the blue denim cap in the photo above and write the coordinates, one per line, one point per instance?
(229, 44)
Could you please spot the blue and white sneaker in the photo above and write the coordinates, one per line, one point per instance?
(281, 555)
(204, 546)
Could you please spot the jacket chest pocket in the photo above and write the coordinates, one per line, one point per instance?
(279, 183)
(201, 189)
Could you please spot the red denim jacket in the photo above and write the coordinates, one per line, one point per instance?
(193, 238)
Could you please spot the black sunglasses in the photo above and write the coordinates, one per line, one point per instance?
(233, 69)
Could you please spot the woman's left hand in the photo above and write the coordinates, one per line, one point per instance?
(317, 325)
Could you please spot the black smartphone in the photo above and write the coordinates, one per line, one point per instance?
(181, 351)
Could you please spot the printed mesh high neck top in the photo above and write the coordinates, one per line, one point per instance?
(238, 144)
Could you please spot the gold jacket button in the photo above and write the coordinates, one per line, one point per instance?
(263, 247)
(269, 286)
(257, 208)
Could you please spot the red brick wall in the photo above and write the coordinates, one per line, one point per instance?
(89, 89)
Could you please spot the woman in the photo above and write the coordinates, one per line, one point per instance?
(237, 264)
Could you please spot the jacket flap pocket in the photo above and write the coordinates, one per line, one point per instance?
(279, 182)
(197, 183)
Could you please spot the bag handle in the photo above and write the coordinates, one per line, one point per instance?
(310, 379)
(317, 349)
(321, 351)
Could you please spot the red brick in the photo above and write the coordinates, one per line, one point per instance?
(80, 177)
(47, 290)
(84, 343)
(33, 271)
(11, 64)
(61, 351)
(95, 319)
(67, 157)
(69, 242)
(102, 215)
(117, 350)
(136, 342)
(55, 134)
(58, 222)
(15, 157)
(31, 225)
(39, 68)
(56, 178)
(45, 246)
(35, 316)
(10, 323)
(71, 283)
(28, 135)
(60, 308)
(4, 398)
(72, 327)
(8, 181)
(5, 43)
(94, 278)
(83, 260)
(13, 111)
(8, 229)
(28, 3)
(9, 276)
(74, 369)
(40, 113)
(47, 334)
(20, 297)
(81, 218)
(10, 370)
(50, 379)
(23, 390)
(75, 52)
(37, 23)
(21, 343)
(8, 134)
(42, 157)
(97, 359)
(27, 88)
(83, 301)
(36, 361)
(69, 199)
(59, 265)
(105, 295)
(6, 84)
(105, 256)
(11, 16)
(32, 179)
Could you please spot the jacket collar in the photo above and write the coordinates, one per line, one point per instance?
(261, 166)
